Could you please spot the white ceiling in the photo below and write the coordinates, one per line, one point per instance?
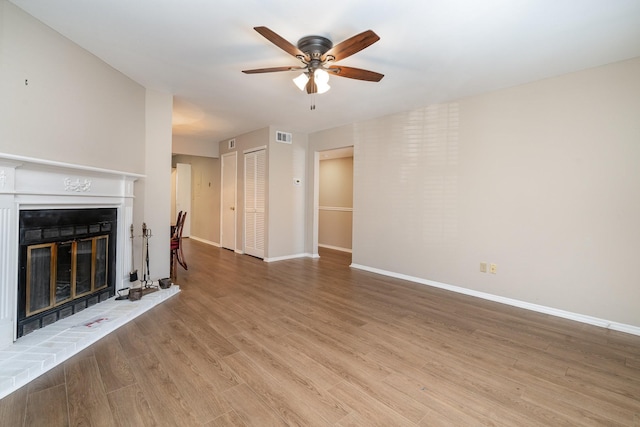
(430, 51)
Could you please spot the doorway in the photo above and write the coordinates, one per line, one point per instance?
(228, 217)
(333, 196)
(183, 195)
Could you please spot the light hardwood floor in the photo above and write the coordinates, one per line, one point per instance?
(314, 343)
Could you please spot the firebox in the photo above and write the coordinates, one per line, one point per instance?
(67, 262)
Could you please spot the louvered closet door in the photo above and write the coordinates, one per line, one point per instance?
(254, 201)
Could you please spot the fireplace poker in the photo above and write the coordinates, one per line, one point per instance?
(133, 275)
(146, 233)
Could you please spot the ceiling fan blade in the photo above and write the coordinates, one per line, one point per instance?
(352, 45)
(280, 42)
(272, 69)
(355, 73)
(312, 87)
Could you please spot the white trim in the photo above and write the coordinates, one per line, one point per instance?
(335, 208)
(205, 241)
(335, 248)
(253, 149)
(45, 162)
(286, 257)
(316, 202)
(603, 323)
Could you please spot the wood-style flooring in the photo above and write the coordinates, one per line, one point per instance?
(312, 342)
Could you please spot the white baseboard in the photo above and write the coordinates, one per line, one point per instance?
(335, 248)
(7, 332)
(282, 258)
(603, 323)
(208, 242)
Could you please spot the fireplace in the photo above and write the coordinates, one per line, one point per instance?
(66, 263)
(65, 236)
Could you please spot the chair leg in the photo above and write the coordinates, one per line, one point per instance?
(180, 258)
(172, 266)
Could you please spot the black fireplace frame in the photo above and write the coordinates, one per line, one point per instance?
(42, 226)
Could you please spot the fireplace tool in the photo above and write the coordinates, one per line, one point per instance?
(146, 278)
(136, 293)
(133, 275)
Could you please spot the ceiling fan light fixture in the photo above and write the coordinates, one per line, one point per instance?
(301, 81)
(321, 77)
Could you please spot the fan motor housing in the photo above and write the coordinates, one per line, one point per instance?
(315, 46)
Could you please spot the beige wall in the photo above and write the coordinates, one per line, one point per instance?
(286, 199)
(205, 196)
(157, 181)
(335, 196)
(541, 179)
(74, 109)
(194, 146)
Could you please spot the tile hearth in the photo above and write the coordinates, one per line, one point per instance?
(36, 353)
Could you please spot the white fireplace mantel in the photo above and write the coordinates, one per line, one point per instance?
(29, 183)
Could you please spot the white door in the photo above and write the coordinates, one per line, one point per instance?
(183, 195)
(254, 194)
(228, 204)
(174, 214)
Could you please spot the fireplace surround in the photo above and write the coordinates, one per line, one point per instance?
(28, 186)
(66, 263)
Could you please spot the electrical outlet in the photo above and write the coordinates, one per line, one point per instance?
(483, 267)
(493, 268)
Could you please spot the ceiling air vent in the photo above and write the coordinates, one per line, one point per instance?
(232, 143)
(284, 137)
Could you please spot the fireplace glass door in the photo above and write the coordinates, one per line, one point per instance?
(61, 271)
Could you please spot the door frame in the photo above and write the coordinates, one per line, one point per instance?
(232, 156)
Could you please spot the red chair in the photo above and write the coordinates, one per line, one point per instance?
(176, 246)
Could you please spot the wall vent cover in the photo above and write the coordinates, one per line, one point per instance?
(284, 137)
(232, 143)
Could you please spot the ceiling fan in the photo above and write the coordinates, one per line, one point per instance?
(318, 55)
